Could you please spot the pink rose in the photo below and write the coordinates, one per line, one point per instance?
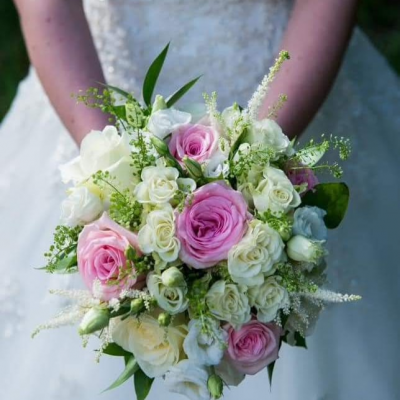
(253, 346)
(211, 223)
(197, 142)
(301, 176)
(101, 255)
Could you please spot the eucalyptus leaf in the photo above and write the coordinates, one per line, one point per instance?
(131, 368)
(331, 197)
(152, 75)
(142, 385)
(113, 349)
(67, 265)
(181, 92)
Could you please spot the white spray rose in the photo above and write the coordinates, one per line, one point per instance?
(163, 122)
(268, 298)
(205, 348)
(188, 379)
(158, 235)
(309, 222)
(300, 248)
(216, 166)
(102, 151)
(255, 255)
(156, 349)
(268, 132)
(275, 192)
(229, 302)
(170, 298)
(81, 207)
(159, 184)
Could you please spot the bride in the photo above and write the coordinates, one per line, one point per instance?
(354, 352)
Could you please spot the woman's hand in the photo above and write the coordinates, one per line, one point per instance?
(316, 38)
(62, 51)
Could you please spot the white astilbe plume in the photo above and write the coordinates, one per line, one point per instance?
(327, 296)
(258, 97)
(105, 339)
(70, 315)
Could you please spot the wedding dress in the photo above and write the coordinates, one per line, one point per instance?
(354, 352)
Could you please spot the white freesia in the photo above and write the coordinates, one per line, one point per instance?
(80, 207)
(229, 302)
(268, 132)
(309, 222)
(163, 122)
(102, 151)
(268, 298)
(300, 248)
(171, 299)
(255, 256)
(275, 192)
(159, 184)
(188, 379)
(158, 235)
(155, 348)
(205, 348)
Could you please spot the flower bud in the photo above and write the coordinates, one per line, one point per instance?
(299, 248)
(193, 168)
(160, 146)
(215, 386)
(137, 306)
(159, 104)
(164, 319)
(172, 277)
(95, 319)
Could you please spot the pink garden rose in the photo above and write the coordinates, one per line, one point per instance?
(302, 175)
(101, 254)
(214, 221)
(253, 346)
(197, 142)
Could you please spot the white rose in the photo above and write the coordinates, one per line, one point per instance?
(255, 255)
(268, 132)
(159, 185)
(229, 302)
(309, 222)
(188, 379)
(156, 349)
(217, 166)
(81, 207)
(205, 348)
(171, 299)
(300, 248)
(268, 299)
(158, 235)
(102, 151)
(163, 122)
(275, 192)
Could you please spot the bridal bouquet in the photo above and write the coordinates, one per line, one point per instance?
(200, 237)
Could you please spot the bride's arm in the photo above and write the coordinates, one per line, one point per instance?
(316, 38)
(62, 50)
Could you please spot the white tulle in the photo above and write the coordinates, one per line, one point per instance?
(354, 352)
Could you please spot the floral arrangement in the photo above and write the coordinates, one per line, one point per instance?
(200, 236)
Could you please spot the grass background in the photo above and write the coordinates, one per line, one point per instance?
(380, 19)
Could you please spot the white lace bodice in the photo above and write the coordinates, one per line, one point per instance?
(231, 42)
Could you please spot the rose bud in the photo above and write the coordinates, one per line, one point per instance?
(215, 386)
(137, 306)
(172, 277)
(299, 248)
(164, 319)
(94, 320)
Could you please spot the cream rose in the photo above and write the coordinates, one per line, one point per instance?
(158, 235)
(102, 151)
(163, 122)
(81, 207)
(268, 298)
(156, 349)
(256, 255)
(275, 192)
(229, 302)
(159, 184)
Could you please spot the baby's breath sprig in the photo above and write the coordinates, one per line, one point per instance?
(143, 155)
(294, 279)
(281, 222)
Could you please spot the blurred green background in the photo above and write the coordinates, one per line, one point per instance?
(380, 19)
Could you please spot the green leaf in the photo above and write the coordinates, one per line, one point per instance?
(130, 369)
(331, 197)
(181, 92)
(116, 89)
(270, 368)
(300, 340)
(120, 112)
(237, 143)
(113, 349)
(152, 75)
(142, 385)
